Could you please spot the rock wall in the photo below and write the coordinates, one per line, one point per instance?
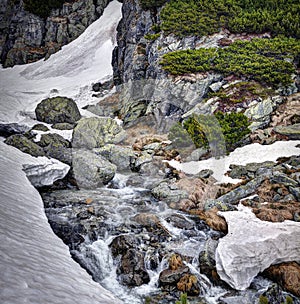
(25, 37)
(145, 88)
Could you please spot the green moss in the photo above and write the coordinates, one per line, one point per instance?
(205, 17)
(183, 299)
(264, 60)
(263, 300)
(208, 132)
(289, 300)
(152, 36)
(150, 4)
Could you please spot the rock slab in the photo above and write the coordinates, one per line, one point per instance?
(252, 245)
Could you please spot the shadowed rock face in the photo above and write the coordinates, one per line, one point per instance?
(252, 245)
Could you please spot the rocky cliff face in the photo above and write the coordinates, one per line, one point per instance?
(139, 75)
(25, 37)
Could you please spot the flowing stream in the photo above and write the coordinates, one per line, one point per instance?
(89, 220)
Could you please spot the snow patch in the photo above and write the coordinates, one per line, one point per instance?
(252, 245)
(254, 153)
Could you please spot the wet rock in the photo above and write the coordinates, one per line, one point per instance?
(25, 145)
(189, 284)
(91, 170)
(122, 157)
(95, 132)
(239, 259)
(287, 275)
(207, 260)
(292, 131)
(71, 233)
(172, 276)
(57, 109)
(132, 270)
(180, 221)
(146, 219)
(122, 243)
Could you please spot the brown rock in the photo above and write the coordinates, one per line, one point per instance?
(287, 275)
(189, 284)
(175, 262)
(212, 219)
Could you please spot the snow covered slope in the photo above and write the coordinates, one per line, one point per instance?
(35, 266)
(66, 73)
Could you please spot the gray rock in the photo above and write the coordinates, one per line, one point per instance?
(260, 113)
(281, 178)
(63, 126)
(252, 245)
(292, 131)
(234, 196)
(91, 170)
(57, 110)
(122, 157)
(95, 132)
(296, 192)
(197, 154)
(207, 260)
(25, 145)
(144, 158)
(165, 192)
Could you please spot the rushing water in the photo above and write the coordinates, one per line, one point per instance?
(89, 220)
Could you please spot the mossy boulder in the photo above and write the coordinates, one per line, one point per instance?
(57, 110)
(95, 132)
(40, 127)
(57, 147)
(24, 144)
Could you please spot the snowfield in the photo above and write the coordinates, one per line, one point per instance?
(36, 267)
